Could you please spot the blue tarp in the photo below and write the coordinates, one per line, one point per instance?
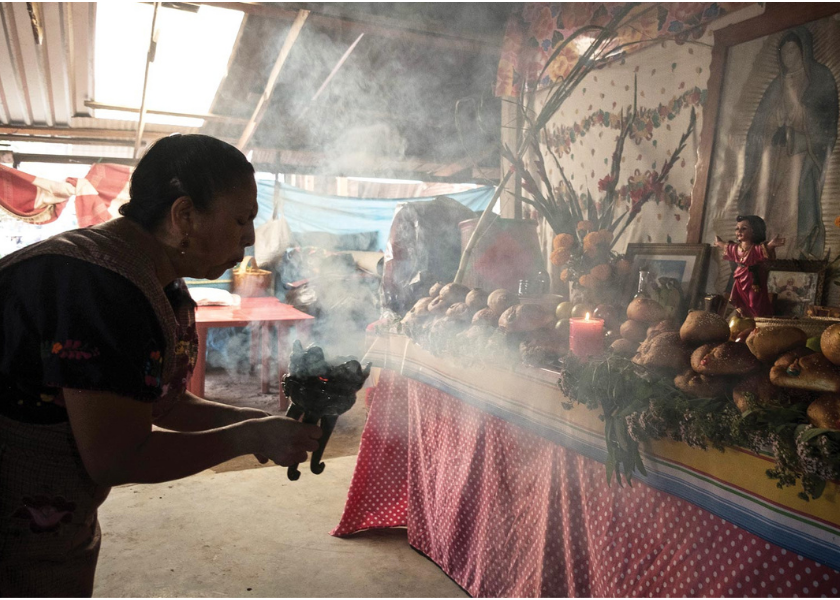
(307, 212)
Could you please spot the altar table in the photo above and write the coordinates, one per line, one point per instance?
(506, 491)
(261, 314)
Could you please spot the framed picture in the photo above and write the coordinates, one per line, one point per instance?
(794, 285)
(769, 140)
(674, 274)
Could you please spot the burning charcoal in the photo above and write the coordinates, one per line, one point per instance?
(313, 363)
(319, 393)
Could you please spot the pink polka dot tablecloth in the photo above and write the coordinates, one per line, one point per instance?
(505, 512)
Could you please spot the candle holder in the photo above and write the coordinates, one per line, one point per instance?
(586, 336)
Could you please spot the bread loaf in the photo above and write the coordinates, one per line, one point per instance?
(662, 327)
(701, 327)
(525, 317)
(485, 317)
(830, 343)
(701, 386)
(500, 300)
(646, 310)
(768, 343)
(624, 347)
(477, 299)
(665, 351)
(824, 412)
(813, 372)
(634, 331)
(757, 390)
(452, 293)
(461, 311)
(728, 358)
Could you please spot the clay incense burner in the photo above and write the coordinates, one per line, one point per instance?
(319, 392)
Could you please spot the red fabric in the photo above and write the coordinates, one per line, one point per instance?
(505, 512)
(108, 181)
(18, 195)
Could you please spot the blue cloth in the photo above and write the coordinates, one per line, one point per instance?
(307, 212)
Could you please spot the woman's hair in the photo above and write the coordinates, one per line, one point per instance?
(759, 228)
(198, 166)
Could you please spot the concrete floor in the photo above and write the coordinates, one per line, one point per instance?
(253, 533)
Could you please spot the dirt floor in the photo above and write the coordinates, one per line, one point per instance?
(243, 389)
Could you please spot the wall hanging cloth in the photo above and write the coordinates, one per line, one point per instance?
(306, 212)
(101, 192)
(535, 30)
(32, 199)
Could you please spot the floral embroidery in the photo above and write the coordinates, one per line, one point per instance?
(153, 370)
(72, 349)
(45, 514)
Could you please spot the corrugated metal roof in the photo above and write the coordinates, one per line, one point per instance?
(46, 62)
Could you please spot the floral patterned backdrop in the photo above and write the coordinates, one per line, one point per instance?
(537, 28)
(671, 76)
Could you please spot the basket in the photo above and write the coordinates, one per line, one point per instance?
(251, 281)
(812, 326)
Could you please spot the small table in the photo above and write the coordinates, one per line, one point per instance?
(261, 312)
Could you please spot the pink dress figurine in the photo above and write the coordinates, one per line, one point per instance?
(749, 290)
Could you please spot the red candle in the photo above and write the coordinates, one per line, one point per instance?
(586, 336)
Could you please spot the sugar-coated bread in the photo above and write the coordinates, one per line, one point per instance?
(460, 310)
(452, 293)
(485, 317)
(500, 300)
(824, 412)
(830, 343)
(701, 386)
(769, 342)
(635, 331)
(477, 299)
(624, 347)
(662, 327)
(728, 358)
(665, 351)
(757, 390)
(788, 358)
(438, 306)
(702, 327)
(525, 317)
(646, 310)
(813, 372)
(434, 291)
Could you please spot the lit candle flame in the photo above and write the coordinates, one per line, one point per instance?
(587, 316)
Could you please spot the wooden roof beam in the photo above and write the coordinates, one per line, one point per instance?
(394, 30)
(263, 102)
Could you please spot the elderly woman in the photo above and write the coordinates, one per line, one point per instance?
(97, 342)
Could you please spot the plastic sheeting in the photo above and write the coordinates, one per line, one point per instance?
(307, 212)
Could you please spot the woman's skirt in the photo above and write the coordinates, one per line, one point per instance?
(49, 533)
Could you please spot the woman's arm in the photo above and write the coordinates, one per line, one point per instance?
(191, 413)
(117, 444)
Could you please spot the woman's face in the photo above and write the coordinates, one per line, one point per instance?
(220, 235)
(791, 56)
(743, 232)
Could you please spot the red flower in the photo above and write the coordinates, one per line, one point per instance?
(604, 183)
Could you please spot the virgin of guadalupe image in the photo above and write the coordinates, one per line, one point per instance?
(788, 145)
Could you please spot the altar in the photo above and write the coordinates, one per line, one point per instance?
(506, 491)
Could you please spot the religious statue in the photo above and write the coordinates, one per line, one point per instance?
(789, 143)
(751, 248)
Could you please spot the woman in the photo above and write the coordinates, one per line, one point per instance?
(97, 342)
(748, 251)
(788, 146)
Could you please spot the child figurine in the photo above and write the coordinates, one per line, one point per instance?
(749, 290)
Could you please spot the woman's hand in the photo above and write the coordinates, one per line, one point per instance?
(283, 441)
